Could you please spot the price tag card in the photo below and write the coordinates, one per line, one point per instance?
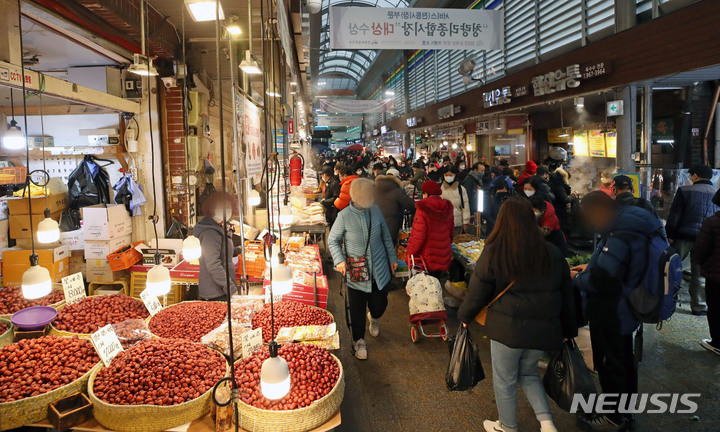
(74, 288)
(151, 302)
(106, 344)
(251, 342)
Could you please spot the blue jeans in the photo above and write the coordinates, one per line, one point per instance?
(510, 366)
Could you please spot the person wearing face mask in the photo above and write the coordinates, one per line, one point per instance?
(549, 224)
(606, 183)
(530, 170)
(432, 230)
(210, 231)
(433, 173)
(360, 230)
(456, 194)
(331, 193)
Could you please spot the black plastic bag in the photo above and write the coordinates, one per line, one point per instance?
(464, 370)
(567, 375)
(88, 184)
(70, 220)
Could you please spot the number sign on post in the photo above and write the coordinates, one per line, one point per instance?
(151, 302)
(74, 288)
(106, 344)
(251, 342)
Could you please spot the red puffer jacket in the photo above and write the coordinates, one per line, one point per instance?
(432, 233)
(344, 199)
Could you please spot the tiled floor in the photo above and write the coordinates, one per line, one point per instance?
(401, 386)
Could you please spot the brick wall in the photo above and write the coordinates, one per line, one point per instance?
(175, 154)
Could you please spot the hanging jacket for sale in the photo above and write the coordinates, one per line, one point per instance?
(88, 185)
(130, 193)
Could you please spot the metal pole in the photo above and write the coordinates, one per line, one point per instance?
(647, 135)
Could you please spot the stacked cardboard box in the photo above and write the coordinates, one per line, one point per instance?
(106, 229)
(21, 220)
(16, 260)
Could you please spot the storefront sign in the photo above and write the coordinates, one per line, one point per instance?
(106, 344)
(470, 140)
(497, 97)
(611, 144)
(415, 28)
(383, 129)
(252, 142)
(375, 132)
(413, 121)
(338, 121)
(448, 111)
(151, 302)
(580, 143)
(663, 129)
(450, 133)
(614, 108)
(355, 106)
(594, 70)
(596, 143)
(251, 342)
(557, 81)
(559, 135)
(494, 126)
(74, 288)
(11, 74)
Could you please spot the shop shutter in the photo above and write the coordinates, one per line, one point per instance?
(599, 15)
(456, 83)
(560, 24)
(414, 84)
(442, 65)
(520, 32)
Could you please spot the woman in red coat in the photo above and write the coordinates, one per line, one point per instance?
(432, 230)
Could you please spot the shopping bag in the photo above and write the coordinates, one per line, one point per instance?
(567, 375)
(464, 370)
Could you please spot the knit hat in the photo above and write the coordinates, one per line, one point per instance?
(431, 187)
(393, 172)
(530, 167)
(622, 182)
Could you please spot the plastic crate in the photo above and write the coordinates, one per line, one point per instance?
(137, 285)
(12, 175)
(127, 258)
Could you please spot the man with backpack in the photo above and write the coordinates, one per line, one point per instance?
(622, 289)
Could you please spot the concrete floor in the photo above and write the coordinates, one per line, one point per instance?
(401, 386)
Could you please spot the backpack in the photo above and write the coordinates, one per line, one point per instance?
(654, 300)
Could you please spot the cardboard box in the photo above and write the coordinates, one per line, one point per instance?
(20, 224)
(74, 240)
(100, 249)
(106, 222)
(77, 265)
(20, 255)
(169, 257)
(12, 273)
(19, 205)
(166, 243)
(4, 236)
(98, 271)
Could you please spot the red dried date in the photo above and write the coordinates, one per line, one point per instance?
(88, 315)
(3, 328)
(289, 314)
(12, 300)
(313, 374)
(32, 367)
(159, 372)
(190, 321)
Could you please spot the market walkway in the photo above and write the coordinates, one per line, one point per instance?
(401, 386)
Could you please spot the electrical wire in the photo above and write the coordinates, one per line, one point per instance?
(27, 146)
(152, 143)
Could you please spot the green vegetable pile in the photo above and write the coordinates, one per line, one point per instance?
(578, 260)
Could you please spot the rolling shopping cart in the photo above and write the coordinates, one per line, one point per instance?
(426, 302)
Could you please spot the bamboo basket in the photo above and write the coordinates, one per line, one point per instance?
(55, 305)
(55, 332)
(298, 420)
(147, 418)
(33, 409)
(7, 337)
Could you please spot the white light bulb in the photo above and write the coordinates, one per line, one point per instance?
(191, 248)
(36, 282)
(48, 231)
(275, 378)
(158, 280)
(286, 217)
(454, 146)
(282, 280)
(469, 147)
(274, 255)
(254, 198)
(13, 139)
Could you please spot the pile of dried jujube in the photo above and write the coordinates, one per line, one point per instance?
(12, 300)
(92, 313)
(160, 372)
(313, 374)
(289, 314)
(32, 367)
(3, 328)
(191, 320)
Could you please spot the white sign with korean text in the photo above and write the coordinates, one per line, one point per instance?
(497, 97)
(415, 28)
(106, 344)
(151, 302)
(74, 288)
(339, 121)
(251, 342)
(254, 154)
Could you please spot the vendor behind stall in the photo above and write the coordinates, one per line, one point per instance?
(210, 231)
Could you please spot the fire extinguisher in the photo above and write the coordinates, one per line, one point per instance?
(297, 163)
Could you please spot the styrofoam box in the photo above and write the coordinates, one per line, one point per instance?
(100, 249)
(106, 222)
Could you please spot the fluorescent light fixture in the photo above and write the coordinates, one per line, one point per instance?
(14, 139)
(579, 102)
(293, 83)
(250, 66)
(666, 141)
(481, 200)
(322, 83)
(563, 135)
(272, 93)
(142, 67)
(203, 10)
(389, 93)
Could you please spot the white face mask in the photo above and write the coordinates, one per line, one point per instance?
(450, 179)
(529, 193)
(358, 172)
(462, 167)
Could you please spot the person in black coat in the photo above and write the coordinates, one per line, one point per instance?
(332, 192)
(707, 253)
(392, 199)
(562, 191)
(535, 314)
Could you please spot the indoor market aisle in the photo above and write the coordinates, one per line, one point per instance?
(401, 386)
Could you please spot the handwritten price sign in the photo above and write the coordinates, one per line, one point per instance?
(151, 302)
(74, 288)
(251, 342)
(106, 344)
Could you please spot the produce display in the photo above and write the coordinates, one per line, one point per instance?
(159, 372)
(219, 339)
(32, 367)
(471, 250)
(306, 259)
(244, 308)
(3, 328)
(132, 331)
(91, 313)
(313, 374)
(289, 314)
(578, 260)
(464, 238)
(12, 300)
(190, 320)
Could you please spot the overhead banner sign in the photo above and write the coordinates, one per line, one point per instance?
(416, 28)
(354, 105)
(252, 140)
(339, 121)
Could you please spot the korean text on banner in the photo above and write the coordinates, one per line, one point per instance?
(416, 28)
(355, 106)
(252, 140)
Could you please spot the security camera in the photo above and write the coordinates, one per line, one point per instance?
(313, 6)
(169, 82)
(466, 67)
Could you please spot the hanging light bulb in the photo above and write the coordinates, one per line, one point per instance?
(158, 279)
(275, 256)
(454, 146)
(282, 279)
(191, 248)
(48, 229)
(254, 198)
(286, 217)
(274, 375)
(36, 280)
(14, 138)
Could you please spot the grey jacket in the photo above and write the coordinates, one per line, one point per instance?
(351, 231)
(212, 271)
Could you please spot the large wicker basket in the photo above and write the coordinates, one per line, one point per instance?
(147, 418)
(55, 332)
(7, 337)
(55, 305)
(33, 409)
(298, 420)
